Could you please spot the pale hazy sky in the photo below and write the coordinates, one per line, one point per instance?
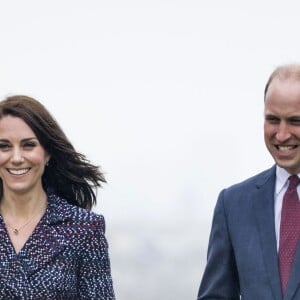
(167, 96)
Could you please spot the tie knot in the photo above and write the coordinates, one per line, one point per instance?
(294, 181)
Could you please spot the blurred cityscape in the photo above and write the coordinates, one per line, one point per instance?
(158, 259)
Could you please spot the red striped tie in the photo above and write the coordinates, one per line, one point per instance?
(289, 230)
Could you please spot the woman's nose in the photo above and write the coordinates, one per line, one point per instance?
(17, 156)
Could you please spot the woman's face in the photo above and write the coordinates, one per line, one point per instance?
(22, 158)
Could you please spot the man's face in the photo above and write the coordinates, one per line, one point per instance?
(282, 123)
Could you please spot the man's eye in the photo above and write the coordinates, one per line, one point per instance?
(295, 122)
(4, 146)
(272, 120)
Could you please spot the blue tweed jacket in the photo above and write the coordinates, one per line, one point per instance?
(66, 257)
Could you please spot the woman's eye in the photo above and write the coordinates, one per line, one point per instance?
(29, 145)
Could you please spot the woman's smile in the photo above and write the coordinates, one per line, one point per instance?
(18, 171)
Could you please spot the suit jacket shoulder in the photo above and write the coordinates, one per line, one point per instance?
(249, 185)
(256, 180)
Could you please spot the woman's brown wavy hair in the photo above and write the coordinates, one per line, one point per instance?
(68, 174)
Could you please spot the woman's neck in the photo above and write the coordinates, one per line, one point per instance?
(23, 206)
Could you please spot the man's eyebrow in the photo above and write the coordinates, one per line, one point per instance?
(270, 115)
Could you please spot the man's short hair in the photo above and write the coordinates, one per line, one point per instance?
(283, 72)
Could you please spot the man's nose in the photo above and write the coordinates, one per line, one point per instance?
(283, 132)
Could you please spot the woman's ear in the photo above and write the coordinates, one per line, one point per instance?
(47, 160)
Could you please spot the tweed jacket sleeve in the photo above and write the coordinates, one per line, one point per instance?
(94, 268)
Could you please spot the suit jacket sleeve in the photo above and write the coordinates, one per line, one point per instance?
(220, 278)
(95, 280)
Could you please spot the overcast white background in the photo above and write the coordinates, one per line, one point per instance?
(167, 96)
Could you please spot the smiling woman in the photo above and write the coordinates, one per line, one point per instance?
(51, 245)
(22, 159)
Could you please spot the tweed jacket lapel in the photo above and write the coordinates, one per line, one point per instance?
(263, 200)
(46, 241)
(11, 269)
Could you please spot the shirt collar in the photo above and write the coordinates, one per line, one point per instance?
(282, 177)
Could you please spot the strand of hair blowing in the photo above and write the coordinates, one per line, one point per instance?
(69, 174)
(75, 180)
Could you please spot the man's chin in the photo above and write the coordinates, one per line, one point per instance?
(289, 167)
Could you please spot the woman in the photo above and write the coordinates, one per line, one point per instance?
(51, 245)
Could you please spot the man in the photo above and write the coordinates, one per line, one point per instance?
(252, 253)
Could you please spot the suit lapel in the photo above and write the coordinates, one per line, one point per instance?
(264, 211)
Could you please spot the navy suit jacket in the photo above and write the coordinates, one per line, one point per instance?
(242, 261)
(66, 257)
